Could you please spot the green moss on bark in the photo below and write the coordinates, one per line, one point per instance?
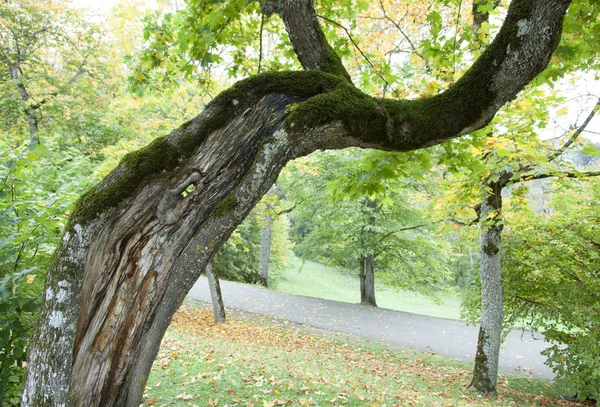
(481, 376)
(225, 206)
(165, 153)
(303, 84)
(135, 167)
(332, 63)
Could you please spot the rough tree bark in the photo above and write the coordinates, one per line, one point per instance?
(215, 294)
(135, 246)
(265, 250)
(485, 373)
(367, 281)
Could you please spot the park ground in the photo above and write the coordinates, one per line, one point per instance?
(257, 361)
(317, 280)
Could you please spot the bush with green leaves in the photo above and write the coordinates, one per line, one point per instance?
(37, 190)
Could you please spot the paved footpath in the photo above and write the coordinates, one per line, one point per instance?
(520, 352)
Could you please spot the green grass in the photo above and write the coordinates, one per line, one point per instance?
(259, 363)
(316, 280)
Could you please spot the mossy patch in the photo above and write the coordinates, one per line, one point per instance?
(160, 155)
(225, 206)
(303, 84)
(165, 153)
(482, 381)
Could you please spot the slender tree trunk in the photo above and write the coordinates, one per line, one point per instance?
(215, 294)
(485, 373)
(265, 250)
(30, 111)
(367, 281)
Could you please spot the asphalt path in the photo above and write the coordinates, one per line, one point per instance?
(520, 352)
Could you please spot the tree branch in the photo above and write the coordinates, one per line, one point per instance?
(562, 174)
(401, 230)
(287, 210)
(557, 153)
(355, 45)
(520, 51)
(306, 35)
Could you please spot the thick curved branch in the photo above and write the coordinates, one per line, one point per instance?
(520, 51)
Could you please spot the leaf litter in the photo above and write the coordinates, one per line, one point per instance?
(261, 362)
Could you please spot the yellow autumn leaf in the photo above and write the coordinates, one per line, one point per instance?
(30, 278)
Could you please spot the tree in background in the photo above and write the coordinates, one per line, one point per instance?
(367, 212)
(215, 294)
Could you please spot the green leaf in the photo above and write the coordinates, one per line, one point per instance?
(591, 151)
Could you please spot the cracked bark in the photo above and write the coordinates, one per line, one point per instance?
(132, 251)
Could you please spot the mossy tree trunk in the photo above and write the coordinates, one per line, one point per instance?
(485, 372)
(135, 245)
(215, 294)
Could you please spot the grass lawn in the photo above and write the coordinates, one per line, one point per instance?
(256, 363)
(316, 280)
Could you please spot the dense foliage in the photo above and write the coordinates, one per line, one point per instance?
(552, 282)
(353, 205)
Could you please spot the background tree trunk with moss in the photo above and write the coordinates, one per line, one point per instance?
(135, 244)
(485, 372)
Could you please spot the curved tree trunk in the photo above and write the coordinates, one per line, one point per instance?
(367, 281)
(215, 294)
(135, 246)
(485, 373)
(265, 250)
